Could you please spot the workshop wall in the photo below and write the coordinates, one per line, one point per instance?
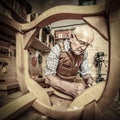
(7, 61)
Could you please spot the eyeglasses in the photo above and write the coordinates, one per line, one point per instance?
(81, 42)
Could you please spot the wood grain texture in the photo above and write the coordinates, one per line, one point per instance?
(64, 12)
(89, 95)
(99, 24)
(10, 23)
(113, 81)
(16, 107)
(20, 66)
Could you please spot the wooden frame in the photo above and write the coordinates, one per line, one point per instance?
(106, 95)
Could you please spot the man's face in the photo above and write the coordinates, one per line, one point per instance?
(79, 44)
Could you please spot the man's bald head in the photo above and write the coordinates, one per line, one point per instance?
(84, 33)
(81, 38)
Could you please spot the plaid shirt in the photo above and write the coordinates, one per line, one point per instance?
(53, 59)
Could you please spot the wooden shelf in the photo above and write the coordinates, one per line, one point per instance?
(61, 38)
(36, 44)
(15, 14)
(3, 56)
(8, 85)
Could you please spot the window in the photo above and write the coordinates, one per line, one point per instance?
(87, 2)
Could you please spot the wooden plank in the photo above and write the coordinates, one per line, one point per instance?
(16, 107)
(59, 94)
(36, 44)
(99, 24)
(30, 40)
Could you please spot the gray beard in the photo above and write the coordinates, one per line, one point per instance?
(81, 52)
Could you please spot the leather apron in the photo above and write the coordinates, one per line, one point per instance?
(68, 64)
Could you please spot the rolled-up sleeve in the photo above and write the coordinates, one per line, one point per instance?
(84, 68)
(52, 60)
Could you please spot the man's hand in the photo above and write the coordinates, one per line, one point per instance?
(90, 82)
(76, 89)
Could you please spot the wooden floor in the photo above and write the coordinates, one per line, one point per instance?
(112, 113)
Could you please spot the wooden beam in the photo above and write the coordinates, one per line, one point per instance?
(64, 12)
(33, 86)
(99, 24)
(20, 65)
(113, 82)
(29, 37)
(16, 107)
(71, 114)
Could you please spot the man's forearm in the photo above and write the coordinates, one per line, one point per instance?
(57, 83)
(70, 88)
